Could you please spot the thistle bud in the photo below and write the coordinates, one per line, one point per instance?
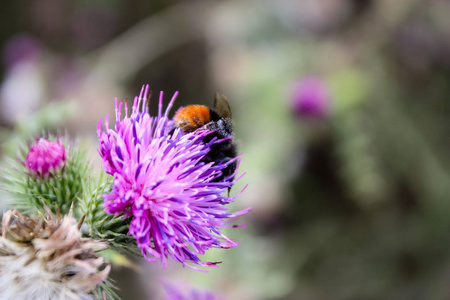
(48, 173)
(45, 157)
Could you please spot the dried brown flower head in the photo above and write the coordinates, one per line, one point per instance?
(46, 257)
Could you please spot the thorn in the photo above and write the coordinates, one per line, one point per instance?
(81, 222)
(58, 213)
(71, 210)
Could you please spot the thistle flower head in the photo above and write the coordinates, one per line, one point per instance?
(46, 258)
(160, 180)
(45, 157)
(21, 48)
(187, 293)
(311, 98)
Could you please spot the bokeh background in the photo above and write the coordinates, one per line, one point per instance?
(340, 106)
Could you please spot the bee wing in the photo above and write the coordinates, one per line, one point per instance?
(221, 106)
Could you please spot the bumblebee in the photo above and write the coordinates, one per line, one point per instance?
(193, 117)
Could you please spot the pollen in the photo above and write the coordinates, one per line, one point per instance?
(191, 117)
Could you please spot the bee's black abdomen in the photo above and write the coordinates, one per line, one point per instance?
(225, 150)
(217, 120)
(221, 153)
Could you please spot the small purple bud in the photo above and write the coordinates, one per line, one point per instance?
(45, 156)
(311, 98)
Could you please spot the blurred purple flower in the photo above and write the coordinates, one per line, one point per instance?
(21, 48)
(311, 98)
(186, 293)
(21, 57)
(45, 157)
(161, 182)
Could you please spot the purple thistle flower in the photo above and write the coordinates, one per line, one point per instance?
(311, 98)
(161, 182)
(21, 48)
(45, 157)
(185, 292)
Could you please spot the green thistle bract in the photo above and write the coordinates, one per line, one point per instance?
(111, 228)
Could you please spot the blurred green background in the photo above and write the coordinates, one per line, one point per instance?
(350, 198)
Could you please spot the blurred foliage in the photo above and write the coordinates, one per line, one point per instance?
(355, 206)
